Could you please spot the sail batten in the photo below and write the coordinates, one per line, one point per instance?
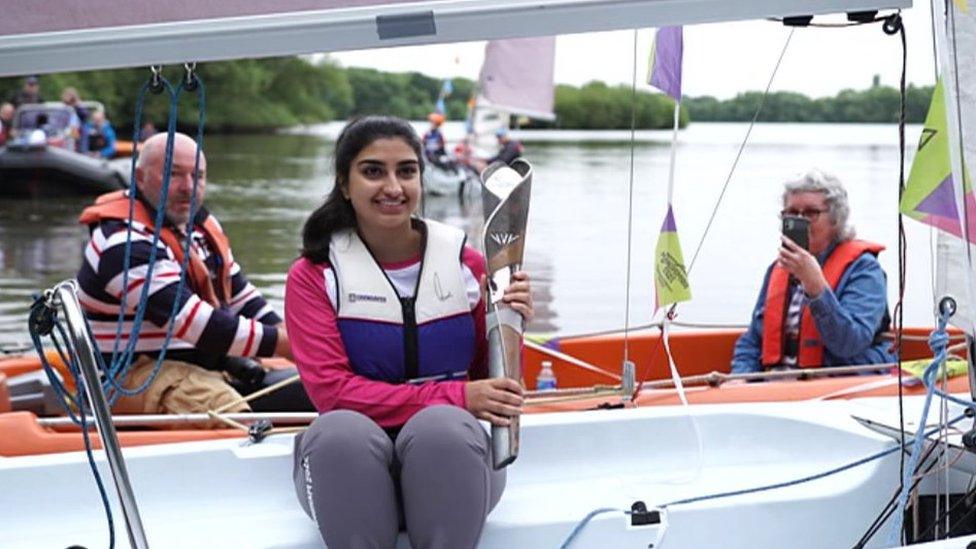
(145, 32)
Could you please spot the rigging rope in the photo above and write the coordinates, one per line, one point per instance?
(672, 310)
(775, 486)
(939, 342)
(116, 376)
(894, 24)
(43, 318)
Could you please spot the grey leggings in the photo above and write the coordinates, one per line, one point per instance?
(360, 486)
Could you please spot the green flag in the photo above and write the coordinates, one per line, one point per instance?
(670, 276)
(930, 194)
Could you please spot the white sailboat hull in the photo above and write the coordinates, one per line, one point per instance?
(445, 182)
(223, 494)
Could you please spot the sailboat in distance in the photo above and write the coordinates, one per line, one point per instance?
(516, 79)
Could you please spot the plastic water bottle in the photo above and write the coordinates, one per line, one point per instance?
(546, 381)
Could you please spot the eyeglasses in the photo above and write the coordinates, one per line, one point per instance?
(811, 214)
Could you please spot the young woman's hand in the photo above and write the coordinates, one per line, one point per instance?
(494, 400)
(518, 294)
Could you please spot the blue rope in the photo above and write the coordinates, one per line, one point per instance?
(201, 98)
(89, 452)
(137, 121)
(38, 309)
(64, 397)
(121, 364)
(939, 343)
(121, 361)
(586, 521)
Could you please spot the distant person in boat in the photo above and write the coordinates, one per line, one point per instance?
(386, 316)
(148, 130)
(79, 132)
(823, 307)
(101, 136)
(510, 148)
(435, 150)
(6, 121)
(29, 93)
(222, 320)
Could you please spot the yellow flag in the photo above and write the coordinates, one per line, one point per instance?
(670, 275)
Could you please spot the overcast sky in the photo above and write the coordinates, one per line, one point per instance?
(720, 59)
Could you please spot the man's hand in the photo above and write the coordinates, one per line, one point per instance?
(494, 400)
(283, 347)
(801, 264)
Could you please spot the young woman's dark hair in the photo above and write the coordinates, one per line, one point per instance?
(337, 213)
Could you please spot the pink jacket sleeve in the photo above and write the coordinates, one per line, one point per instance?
(324, 366)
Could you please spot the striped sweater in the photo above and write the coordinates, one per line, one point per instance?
(202, 334)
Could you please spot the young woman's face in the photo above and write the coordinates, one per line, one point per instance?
(384, 184)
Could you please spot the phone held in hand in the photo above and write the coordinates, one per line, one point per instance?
(797, 229)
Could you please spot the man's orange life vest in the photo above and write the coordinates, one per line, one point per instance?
(115, 205)
(810, 353)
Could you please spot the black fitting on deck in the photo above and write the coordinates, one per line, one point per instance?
(41, 318)
(797, 20)
(641, 516)
(259, 430)
(862, 16)
(892, 24)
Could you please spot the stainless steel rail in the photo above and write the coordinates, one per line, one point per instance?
(64, 297)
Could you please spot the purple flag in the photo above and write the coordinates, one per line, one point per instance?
(664, 72)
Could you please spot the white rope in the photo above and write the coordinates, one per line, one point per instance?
(680, 389)
(630, 199)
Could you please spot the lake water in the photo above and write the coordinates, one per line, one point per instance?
(263, 187)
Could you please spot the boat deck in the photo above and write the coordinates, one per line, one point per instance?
(221, 493)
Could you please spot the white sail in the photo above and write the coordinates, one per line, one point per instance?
(517, 76)
(956, 39)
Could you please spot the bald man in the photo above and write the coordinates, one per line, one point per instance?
(222, 321)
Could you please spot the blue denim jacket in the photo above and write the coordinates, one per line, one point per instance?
(847, 319)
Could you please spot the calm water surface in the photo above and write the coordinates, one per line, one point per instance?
(263, 187)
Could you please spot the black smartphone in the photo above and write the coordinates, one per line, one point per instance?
(797, 229)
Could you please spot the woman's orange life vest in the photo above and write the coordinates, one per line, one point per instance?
(115, 205)
(810, 352)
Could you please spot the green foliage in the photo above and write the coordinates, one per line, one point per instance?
(879, 104)
(598, 106)
(408, 95)
(249, 95)
(256, 95)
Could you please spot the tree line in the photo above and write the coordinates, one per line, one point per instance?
(878, 104)
(258, 95)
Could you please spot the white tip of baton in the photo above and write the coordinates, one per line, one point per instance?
(502, 180)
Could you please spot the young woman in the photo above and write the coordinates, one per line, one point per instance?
(385, 313)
